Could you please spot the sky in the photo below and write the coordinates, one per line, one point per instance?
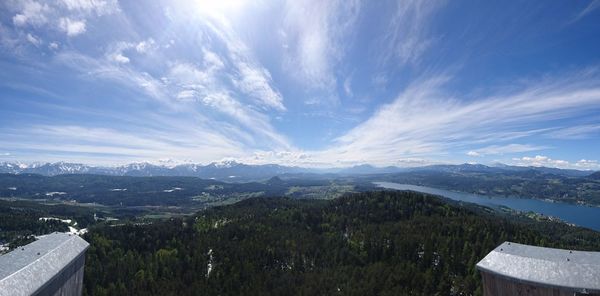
(303, 83)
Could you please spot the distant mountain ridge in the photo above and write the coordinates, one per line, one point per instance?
(227, 170)
(595, 176)
(467, 167)
(235, 171)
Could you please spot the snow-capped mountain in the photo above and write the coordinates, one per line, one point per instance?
(140, 169)
(48, 169)
(226, 170)
(11, 168)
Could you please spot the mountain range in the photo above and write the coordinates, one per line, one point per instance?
(226, 170)
(237, 172)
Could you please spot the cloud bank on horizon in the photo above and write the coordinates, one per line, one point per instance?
(310, 83)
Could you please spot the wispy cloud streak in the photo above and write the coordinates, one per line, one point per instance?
(427, 121)
(504, 149)
(406, 38)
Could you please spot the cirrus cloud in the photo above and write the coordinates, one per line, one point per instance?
(504, 149)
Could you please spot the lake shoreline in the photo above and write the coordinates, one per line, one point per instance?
(492, 196)
(576, 214)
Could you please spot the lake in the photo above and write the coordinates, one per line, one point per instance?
(577, 214)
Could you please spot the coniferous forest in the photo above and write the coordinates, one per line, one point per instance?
(374, 243)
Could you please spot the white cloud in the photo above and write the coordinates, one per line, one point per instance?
(212, 61)
(99, 7)
(312, 36)
(145, 46)
(191, 83)
(69, 16)
(186, 94)
(31, 13)
(425, 121)
(244, 74)
(504, 149)
(181, 86)
(93, 69)
(406, 38)
(53, 45)
(256, 81)
(249, 76)
(72, 27)
(540, 160)
(545, 161)
(115, 52)
(189, 79)
(106, 144)
(474, 154)
(34, 39)
(19, 20)
(587, 164)
(119, 58)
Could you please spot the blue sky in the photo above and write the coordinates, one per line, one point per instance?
(307, 83)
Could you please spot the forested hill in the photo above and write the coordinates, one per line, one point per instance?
(375, 243)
